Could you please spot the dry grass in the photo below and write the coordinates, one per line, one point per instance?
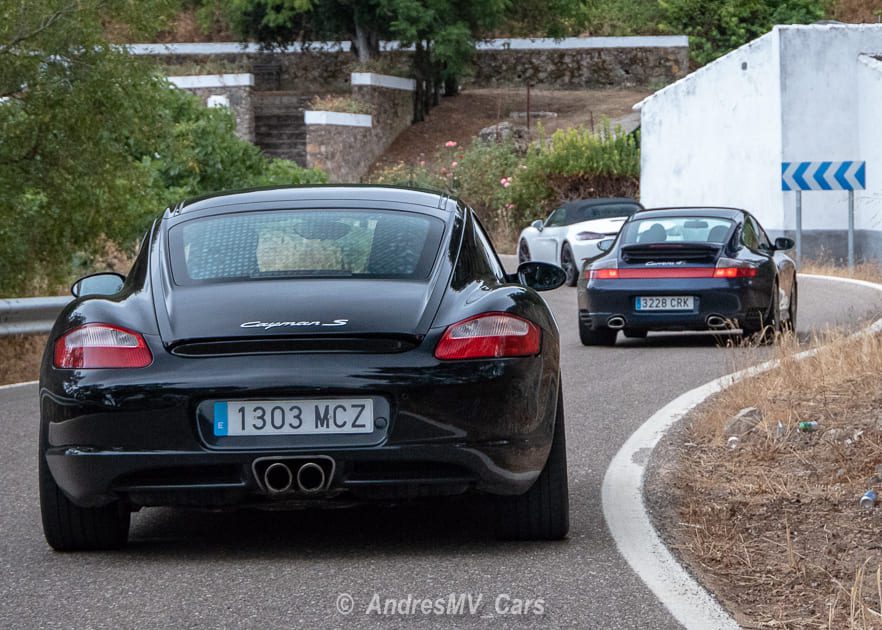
(773, 526)
(869, 271)
(20, 358)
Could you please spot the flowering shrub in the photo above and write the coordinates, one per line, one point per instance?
(507, 189)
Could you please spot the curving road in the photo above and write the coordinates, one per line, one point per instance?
(287, 570)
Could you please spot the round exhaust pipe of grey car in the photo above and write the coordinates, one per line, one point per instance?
(616, 322)
(715, 321)
(310, 477)
(278, 478)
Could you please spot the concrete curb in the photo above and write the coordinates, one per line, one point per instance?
(625, 510)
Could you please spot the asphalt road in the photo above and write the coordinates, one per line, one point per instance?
(287, 570)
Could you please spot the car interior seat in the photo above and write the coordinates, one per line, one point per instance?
(655, 234)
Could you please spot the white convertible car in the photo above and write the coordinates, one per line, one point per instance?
(570, 234)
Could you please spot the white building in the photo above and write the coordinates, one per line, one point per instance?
(798, 93)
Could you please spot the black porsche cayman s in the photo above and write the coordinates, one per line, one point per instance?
(688, 269)
(304, 346)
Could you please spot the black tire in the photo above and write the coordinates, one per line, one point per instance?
(630, 333)
(568, 264)
(600, 336)
(68, 527)
(765, 331)
(523, 252)
(543, 512)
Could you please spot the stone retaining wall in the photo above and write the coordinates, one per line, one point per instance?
(571, 63)
(346, 145)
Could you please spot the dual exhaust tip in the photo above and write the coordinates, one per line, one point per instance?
(307, 477)
(617, 322)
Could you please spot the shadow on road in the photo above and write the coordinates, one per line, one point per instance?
(434, 528)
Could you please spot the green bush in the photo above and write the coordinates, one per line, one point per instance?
(717, 26)
(509, 188)
(104, 174)
(576, 163)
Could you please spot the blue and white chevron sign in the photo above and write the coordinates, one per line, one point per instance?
(824, 175)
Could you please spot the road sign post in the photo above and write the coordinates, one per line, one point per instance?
(824, 176)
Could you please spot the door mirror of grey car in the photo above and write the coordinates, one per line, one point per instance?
(606, 244)
(106, 283)
(538, 224)
(541, 276)
(784, 243)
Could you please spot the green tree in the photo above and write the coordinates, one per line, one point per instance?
(281, 22)
(94, 142)
(717, 26)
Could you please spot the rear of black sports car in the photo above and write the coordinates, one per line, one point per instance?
(680, 269)
(300, 347)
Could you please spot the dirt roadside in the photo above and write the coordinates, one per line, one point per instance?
(460, 118)
(773, 527)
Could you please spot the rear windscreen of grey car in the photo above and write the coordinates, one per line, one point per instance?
(305, 243)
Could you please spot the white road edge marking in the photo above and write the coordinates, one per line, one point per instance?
(22, 384)
(625, 511)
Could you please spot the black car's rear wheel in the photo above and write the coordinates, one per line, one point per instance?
(68, 527)
(568, 264)
(523, 252)
(600, 336)
(543, 512)
(765, 328)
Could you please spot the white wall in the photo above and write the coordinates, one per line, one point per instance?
(714, 138)
(821, 111)
(868, 206)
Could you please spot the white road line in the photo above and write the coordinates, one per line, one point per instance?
(11, 385)
(625, 511)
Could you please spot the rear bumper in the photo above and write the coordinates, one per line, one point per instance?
(736, 301)
(441, 428)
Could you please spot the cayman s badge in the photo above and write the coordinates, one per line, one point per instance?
(269, 325)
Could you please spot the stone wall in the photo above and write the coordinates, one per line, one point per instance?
(580, 68)
(346, 145)
(571, 63)
(225, 90)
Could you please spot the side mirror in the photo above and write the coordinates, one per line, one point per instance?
(606, 244)
(784, 243)
(541, 276)
(539, 224)
(105, 283)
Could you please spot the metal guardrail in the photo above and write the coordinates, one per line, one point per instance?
(28, 316)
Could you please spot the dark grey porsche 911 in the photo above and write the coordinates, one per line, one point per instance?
(301, 347)
(688, 269)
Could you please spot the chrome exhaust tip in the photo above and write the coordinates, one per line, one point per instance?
(310, 478)
(278, 478)
(715, 321)
(616, 322)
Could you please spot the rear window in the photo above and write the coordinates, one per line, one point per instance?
(676, 230)
(305, 243)
(570, 215)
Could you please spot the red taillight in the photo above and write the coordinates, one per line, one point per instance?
(603, 274)
(491, 335)
(735, 272)
(101, 346)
